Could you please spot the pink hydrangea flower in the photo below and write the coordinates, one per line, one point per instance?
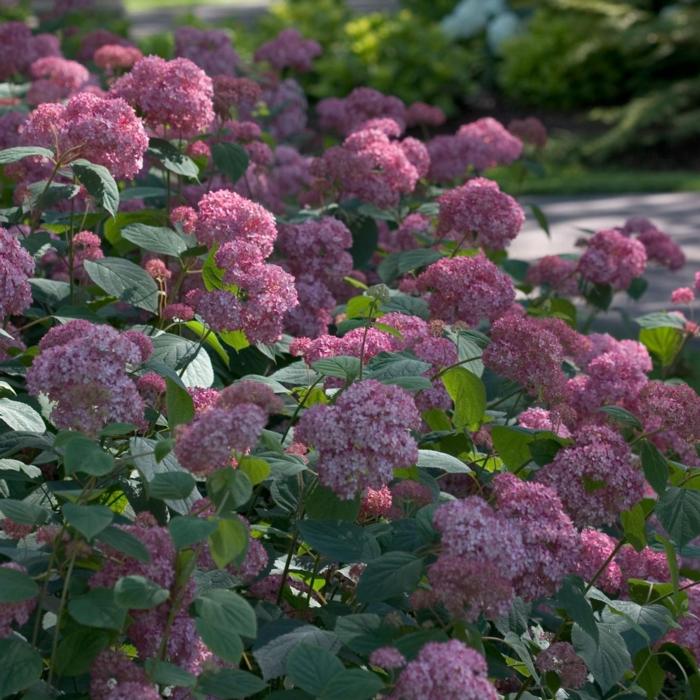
(541, 419)
(682, 295)
(612, 258)
(387, 657)
(595, 477)
(210, 49)
(362, 437)
(287, 103)
(445, 671)
(239, 93)
(407, 497)
(82, 368)
(113, 58)
(530, 130)
(422, 114)
(55, 79)
(660, 247)
(560, 274)
(104, 131)
(481, 214)
(363, 103)
(16, 267)
(289, 49)
(688, 635)
(561, 658)
(114, 676)
(173, 97)
(466, 289)
(376, 503)
(19, 49)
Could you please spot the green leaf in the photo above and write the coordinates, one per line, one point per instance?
(19, 416)
(231, 159)
(600, 296)
(171, 485)
(661, 319)
(12, 155)
(229, 542)
(157, 239)
(97, 608)
(88, 520)
(23, 512)
(311, 667)
(352, 683)
(99, 183)
(622, 416)
(573, 601)
(186, 357)
(637, 288)
(230, 684)
(211, 339)
(221, 606)
(468, 394)
(81, 454)
(223, 641)
(608, 659)
(512, 445)
(124, 280)
(342, 366)
(166, 673)
(678, 511)
(256, 469)
(639, 625)
(663, 342)
(186, 530)
(232, 484)
(389, 366)
(655, 466)
(179, 404)
(322, 504)
(16, 586)
(21, 666)
(634, 526)
(650, 675)
(125, 543)
(172, 158)
(77, 650)
(339, 541)
(541, 219)
(388, 576)
(365, 235)
(430, 459)
(138, 593)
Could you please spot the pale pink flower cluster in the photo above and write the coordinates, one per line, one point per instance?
(387, 657)
(104, 131)
(529, 130)
(114, 676)
(238, 93)
(480, 214)
(466, 289)
(561, 658)
(81, 367)
(16, 267)
(376, 503)
(560, 274)
(612, 258)
(445, 671)
(173, 97)
(596, 550)
(55, 79)
(361, 438)
(115, 58)
(210, 49)
(422, 114)
(660, 247)
(233, 422)
(535, 418)
(96, 39)
(14, 613)
(289, 49)
(345, 115)
(287, 103)
(595, 478)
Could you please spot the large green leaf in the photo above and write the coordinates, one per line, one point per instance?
(655, 466)
(431, 459)
(607, 659)
(99, 183)
(354, 683)
(678, 510)
(172, 158)
(81, 454)
(229, 542)
(179, 404)
(229, 684)
(231, 159)
(88, 520)
(12, 155)
(342, 366)
(157, 239)
(20, 667)
(226, 607)
(389, 576)
(311, 667)
(188, 530)
(124, 280)
(16, 586)
(171, 485)
(125, 543)
(20, 416)
(468, 394)
(97, 608)
(189, 359)
(663, 342)
(339, 540)
(138, 593)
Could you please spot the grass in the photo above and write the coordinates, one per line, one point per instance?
(579, 181)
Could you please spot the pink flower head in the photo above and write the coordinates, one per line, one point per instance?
(489, 143)
(612, 258)
(480, 213)
(239, 93)
(466, 289)
(363, 103)
(660, 247)
(530, 130)
(560, 274)
(286, 101)
(19, 49)
(595, 477)
(445, 671)
(173, 97)
(596, 549)
(542, 419)
(683, 295)
(104, 131)
(376, 503)
(16, 267)
(55, 78)
(114, 58)
(362, 437)
(14, 613)
(113, 676)
(186, 217)
(289, 49)
(82, 368)
(210, 49)
(561, 658)
(387, 657)
(181, 312)
(422, 114)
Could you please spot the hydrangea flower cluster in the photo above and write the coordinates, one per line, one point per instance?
(561, 658)
(82, 368)
(16, 267)
(361, 438)
(612, 258)
(210, 49)
(289, 50)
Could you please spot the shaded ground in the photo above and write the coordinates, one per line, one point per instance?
(678, 214)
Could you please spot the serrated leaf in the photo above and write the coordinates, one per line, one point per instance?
(99, 183)
(20, 416)
(21, 666)
(608, 659)
(231, 159)
(172, 158)
(342, 366)
(178, 403)
(124, 280)
(81, 454)
(138, 593)
(468, 394)
(16, 586)
(157, 239)
(125, 543)
(88, 520)
(229, 542)
(97, 608)
(229, 684)
(655, 466)
(678, 510)
(339, 540)
(311, 667)
(186, 530)
(388, 576)
(171, 486)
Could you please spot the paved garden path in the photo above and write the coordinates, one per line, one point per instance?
(677, 214)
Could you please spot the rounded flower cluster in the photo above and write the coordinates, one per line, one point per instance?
(361, 438)
(387, 657)
(660, 247)
(596, 550)
(104, 131)
(344, 115)
(14, 613)
(16, 267)
(595, 477)
(19, 49)
(55, 79)
(233, 422)
(81, 367)
(535, 418)
(466, 289)
(289, 49)
(612, 258)
(551, 542)
(422, 114)
(173, 97)
(529, 130)
(472, 576)
(210, 49)
(114, 676)
(230, 92)
(559, 274)
(561, 658)
(113, 58)
(480, 214)
(445, 671)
